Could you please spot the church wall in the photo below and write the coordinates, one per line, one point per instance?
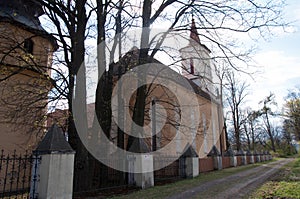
(13, 52)
(23, 96)
(205, 123)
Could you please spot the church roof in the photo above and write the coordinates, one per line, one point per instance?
(130, 60)
(25, 14)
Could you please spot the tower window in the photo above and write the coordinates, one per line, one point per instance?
(28, 46)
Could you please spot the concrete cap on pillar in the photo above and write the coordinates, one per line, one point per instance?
(214, 152)
(189, 151)
(54, 142)
(248, 152)
(229, 152)
(139, 146)
(240, 153)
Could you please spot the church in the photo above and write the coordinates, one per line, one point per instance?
(26, 52)
(186, 111)
(25, 58)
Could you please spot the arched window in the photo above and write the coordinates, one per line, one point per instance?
(28, 46)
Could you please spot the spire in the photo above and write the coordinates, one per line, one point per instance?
(194, 33)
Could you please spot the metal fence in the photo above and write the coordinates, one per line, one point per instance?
(102, 178)
(174, 171)
(15, 174)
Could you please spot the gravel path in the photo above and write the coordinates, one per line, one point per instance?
(235, 186)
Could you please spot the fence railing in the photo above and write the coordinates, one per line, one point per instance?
(103, 177)
(15, 174)
(18, 173)
(175, 170)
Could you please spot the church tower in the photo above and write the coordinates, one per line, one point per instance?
(196, 62)
(26, 51)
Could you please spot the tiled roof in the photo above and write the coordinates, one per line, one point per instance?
(129, 61)
(23, 12)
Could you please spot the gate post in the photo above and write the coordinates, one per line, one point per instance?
(191, 162)
(243, 156)
(251, 157)
(214, 152)
(54, 174)
(269, 155)
(140, 165)
(231, 154)
(257, 156)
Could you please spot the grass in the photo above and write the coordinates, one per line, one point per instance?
(177, 187)
(285, 185)
(23, 196)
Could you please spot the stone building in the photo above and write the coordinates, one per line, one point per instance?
(198, 122)
(169, 122)
(25, 58)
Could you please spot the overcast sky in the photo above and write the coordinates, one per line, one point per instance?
(280, 61)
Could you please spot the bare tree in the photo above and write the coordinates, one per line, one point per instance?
(236, 93)
(69, 20)
(266, 113)
(215, 20)
(251, 128)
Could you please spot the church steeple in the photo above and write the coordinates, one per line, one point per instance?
(194, 33)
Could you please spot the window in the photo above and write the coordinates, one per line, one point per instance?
(153, 120)
(156, 119)
(193, 129)
(192, 66)
(204, 134)
(178, 133)
(28, 46)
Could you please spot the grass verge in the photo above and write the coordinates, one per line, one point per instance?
(166, 190)
(285, 185)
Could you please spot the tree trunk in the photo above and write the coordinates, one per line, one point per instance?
(140, 100)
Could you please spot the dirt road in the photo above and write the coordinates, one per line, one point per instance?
(235, 186)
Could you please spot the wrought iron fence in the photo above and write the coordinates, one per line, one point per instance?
(174, 171)
(15, 174)
(102, 178)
